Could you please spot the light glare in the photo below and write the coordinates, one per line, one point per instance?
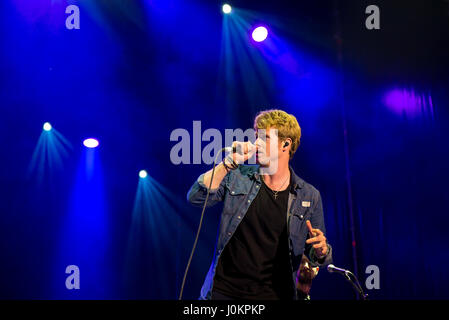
(91, 143)
(143, 174)
(260, 34)
(47, 126)
(227, 8)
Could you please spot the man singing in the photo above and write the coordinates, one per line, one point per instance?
(269, 220)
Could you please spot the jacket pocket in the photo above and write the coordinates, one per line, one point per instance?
(236, 188)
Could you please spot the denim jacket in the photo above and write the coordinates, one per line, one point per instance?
(237, 190)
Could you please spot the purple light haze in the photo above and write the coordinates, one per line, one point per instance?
(52, 11)
(408, 102)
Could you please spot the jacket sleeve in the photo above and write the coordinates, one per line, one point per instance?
(198, 192)
(317, 221)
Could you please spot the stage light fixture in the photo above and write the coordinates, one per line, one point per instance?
(260, 34)
(91, 143)
(226, 8)
(47, 126)
(143, 174)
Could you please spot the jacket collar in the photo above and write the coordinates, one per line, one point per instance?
(298, 183)
(252, 171)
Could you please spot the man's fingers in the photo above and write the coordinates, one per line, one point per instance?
(244, 151)
(313, 232)
(316, 239)
(243, 147)
(309, 226)
(250, 149)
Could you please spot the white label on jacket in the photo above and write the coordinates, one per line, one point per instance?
(306, 204)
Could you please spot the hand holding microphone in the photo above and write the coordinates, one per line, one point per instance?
(238, 153)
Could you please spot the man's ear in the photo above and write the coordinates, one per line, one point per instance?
(287, 143)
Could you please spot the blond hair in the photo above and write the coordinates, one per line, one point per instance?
(285, 123)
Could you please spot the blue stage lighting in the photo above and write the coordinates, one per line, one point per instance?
(143, 174)
(260, 34)
(91, 143)
(226, 8)
(47, 126)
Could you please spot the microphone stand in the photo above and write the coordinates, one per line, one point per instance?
(355, 284)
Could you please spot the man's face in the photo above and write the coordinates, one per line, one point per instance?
(267, 146)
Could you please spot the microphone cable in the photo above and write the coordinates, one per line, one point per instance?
(199, 226)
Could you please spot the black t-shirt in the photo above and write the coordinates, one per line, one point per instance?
(255, 264)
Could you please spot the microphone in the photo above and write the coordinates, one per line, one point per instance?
(230, 149)
(350, 277)
(234, 149)
(331, 268)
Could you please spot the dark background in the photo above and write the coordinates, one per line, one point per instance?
(137, 70)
